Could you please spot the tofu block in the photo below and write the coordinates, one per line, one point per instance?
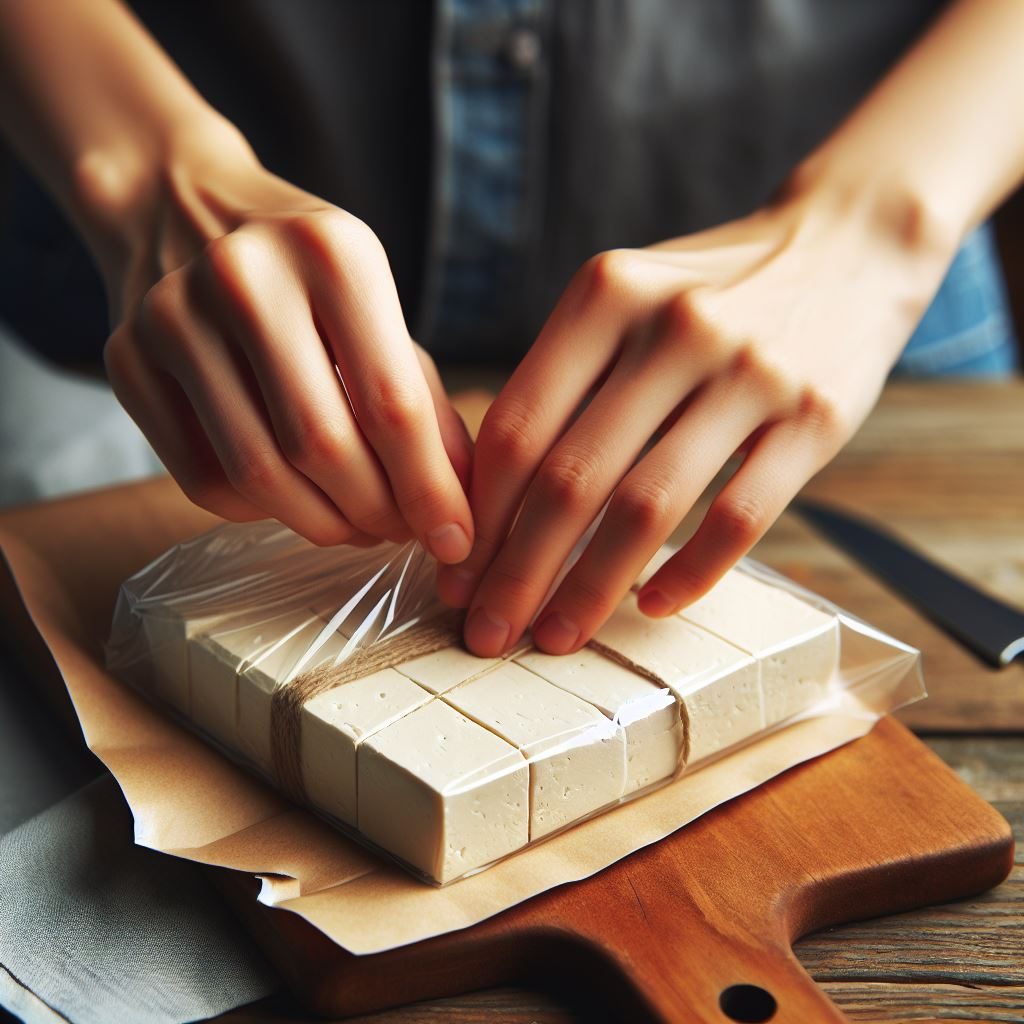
(648, 713)
(444, 669)
(442, 792)
(271, 668)
(168, 627)
(796, 644)
(718, 683)
(334, 723)
(215, 659)
(577, 757)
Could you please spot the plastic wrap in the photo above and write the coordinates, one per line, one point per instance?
(339, 676)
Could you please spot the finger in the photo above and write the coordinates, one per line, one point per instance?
(454, 435)
(263, 309)
(786, 456)
(226, 401)
(575, 480)
(157, 404)
(574, 350)
(355, 299)
(644, 510)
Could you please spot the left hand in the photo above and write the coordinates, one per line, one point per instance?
(771, 336)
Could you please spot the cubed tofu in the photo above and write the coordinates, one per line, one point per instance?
(444, 669)
(168, 627)
(649, 714)
(577, 756)
(215, 659)
(718, 683)
(335, 722)
(442, 792)
(796, 644)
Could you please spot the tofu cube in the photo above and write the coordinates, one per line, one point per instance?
(216, 657)
(334, 723)
(442, 793)
(718, 683)
(577, 757)
(168, 628)
(796, 644)
(443, 669)
(648, 714)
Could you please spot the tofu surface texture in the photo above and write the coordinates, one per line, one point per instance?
(444, 669)
(647, 713)
(335, 722)
(577, 756)
(796, 644)
(442, 792)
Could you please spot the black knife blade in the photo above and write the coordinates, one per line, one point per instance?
(990, 628)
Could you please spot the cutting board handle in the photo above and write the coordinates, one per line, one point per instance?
(714, 965)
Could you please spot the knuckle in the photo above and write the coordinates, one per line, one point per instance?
(229, 258)
(314, 444)
(645, 507)
(162, 311)
(507, 437)
(253, 473)
(689, 318)
(396, 407)
(566, 482)
(823, 416)
(330, 231)
(767, 376)
(740, 519)
(511, 581)
(611, 272)
(586, 593)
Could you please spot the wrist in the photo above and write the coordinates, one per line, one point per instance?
(892, 215)
(124, 191)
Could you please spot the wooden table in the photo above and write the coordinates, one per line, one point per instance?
(943, 465)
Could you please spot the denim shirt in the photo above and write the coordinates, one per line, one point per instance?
(495, 145)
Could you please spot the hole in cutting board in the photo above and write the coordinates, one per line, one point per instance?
(747, 1003)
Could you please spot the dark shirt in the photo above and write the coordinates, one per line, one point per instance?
(493, 146)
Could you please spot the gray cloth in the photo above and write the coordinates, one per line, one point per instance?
(93, 928)
(60, 431)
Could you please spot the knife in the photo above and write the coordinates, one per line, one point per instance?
(990, 628)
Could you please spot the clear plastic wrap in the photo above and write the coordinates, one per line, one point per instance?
(339, 676)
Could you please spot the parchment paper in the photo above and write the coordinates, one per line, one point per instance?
(65, 562)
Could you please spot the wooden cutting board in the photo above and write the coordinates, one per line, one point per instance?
(698, 927)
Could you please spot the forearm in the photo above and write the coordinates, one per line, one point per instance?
(98, 111)
(939, 143)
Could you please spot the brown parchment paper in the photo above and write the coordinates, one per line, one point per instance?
(65, 561)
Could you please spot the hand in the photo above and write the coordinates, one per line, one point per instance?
(262, 349)
(770, 336)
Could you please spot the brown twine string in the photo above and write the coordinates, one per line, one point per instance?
(287, 701)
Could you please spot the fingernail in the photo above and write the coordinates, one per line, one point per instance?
(486, 634)
(456, 586)
(448, 543)
(556, 634)
(655, 603)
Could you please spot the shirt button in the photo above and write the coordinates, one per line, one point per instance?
(522, 48)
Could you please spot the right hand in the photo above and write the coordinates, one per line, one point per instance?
(261, 348)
